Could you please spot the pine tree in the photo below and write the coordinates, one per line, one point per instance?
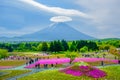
(73, 46)
(44, 46)
(52, 49)
(65, 45)
(58, 46)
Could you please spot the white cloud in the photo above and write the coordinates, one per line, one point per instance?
(60, 19)
(103, 12)
(105, 16)
(56, 10)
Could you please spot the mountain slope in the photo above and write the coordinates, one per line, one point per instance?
(57, 31)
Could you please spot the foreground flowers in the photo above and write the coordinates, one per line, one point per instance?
(84, 70)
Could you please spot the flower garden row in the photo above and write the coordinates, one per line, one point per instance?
(67, 60)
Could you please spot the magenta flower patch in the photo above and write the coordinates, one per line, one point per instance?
(84, 70)
(96, 73)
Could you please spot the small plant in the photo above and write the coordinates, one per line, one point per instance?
(81, 63)
(72, 56)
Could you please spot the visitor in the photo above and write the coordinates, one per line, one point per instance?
(115, 57)
(18, 58)
(104, 55)
(23, 58)
(102, 63)
(97, 56)
(35, 65)
(118, 61)
(45, 65)
(52, 65)
(39, 58)
(56, 65)
(38, 65)
(30, 61)
(82, 55)
(27, 63)
(58, 57)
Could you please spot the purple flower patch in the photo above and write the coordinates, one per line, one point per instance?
(96, 73)
(84, 70)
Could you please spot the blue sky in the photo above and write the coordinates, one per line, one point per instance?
(98, 18)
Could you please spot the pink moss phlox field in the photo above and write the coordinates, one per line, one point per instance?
(94, 60)
(72, 72)
(67, 60)
(96, 73)
(49, 61)
(84, 71)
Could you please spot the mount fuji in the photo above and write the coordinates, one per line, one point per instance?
(56, 31)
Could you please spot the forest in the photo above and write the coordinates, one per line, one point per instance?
(60, 45)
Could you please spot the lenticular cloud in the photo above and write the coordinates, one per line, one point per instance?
(61, 19)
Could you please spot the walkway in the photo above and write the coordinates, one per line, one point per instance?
(26, 74)
(108, 65)
(38, 70)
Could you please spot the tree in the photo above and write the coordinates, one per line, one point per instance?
(39, 47)
(58, 46)
(115, 52)
(104, 47)
(84, 49)
(65, 45)
(71, 55)
(52, 49)
(3, 53)
(44, 47)
(107, 47)
(80, 44)
(73, 46)
(21, 47)
(92, 46)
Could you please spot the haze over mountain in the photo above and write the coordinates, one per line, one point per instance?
(55, 31)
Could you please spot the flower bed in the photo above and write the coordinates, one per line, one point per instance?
(84, 70)
(94, 60)
(49, 61)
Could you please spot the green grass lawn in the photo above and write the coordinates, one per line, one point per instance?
(38, 54)
(12, 62)
(112, 74)
(11, 73)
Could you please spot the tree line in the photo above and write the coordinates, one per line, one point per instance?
(59, 45)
